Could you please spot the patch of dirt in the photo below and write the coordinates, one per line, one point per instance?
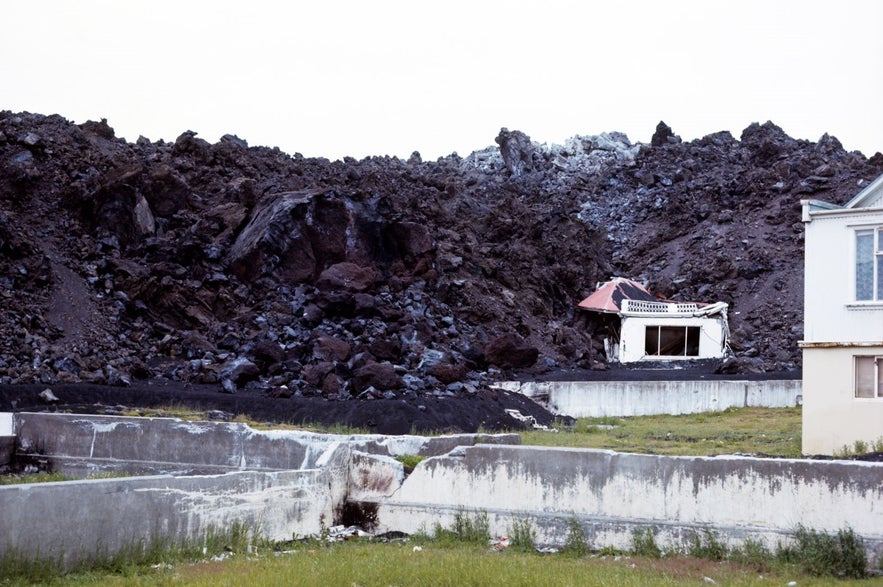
(483, 411)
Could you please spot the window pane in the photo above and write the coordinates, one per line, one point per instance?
(879, 362)
(864, 377)
(651, 340)
(864, 265)
(880, 277)
(692, 341)
(672, 341)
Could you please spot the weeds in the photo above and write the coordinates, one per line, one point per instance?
(42, 477)
(409, 461)
(822, 554)
(753, 553)
(473, 530)
(644, 543)
(858, 448)
(576, 543)
(36, 567)
(522, 536)
(707, 546)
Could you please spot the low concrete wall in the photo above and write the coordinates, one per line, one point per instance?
(7, 438)
(82, 445)
(585, 399)
(192, 476)
(613, 493)
(73, 520)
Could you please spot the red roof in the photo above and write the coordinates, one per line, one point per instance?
(608, 297)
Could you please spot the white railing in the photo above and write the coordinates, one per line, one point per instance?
(642, 307)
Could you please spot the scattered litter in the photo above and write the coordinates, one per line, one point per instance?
(546, 550)
(501, 544)
(47, 396)
(341, 533)
(709, 580)
(284, 552)
(792, 583)
(530, 420)
(418, 549)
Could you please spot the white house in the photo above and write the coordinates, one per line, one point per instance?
(843, 322)
(644, 327)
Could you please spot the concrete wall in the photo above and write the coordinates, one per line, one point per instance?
(582, 399)
(7, 437)
(72, 520)
(832, 416)
(612, 493)
(84, 445)
(609, 493)
(281, 483)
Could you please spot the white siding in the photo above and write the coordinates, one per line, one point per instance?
(836, 328)
(632, 336)
(832, 416)
(831, 312)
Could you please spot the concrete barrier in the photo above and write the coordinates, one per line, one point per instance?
(7, 437)
(592, 399)
(74, 520)
(190, 477)
(611, 494)
(80, 446)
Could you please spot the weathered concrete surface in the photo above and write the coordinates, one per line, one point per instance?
(82, 445)
(281, 483)
(7, 437)
(79, 445)
(590, 399)
(612, 493)
(75, 519)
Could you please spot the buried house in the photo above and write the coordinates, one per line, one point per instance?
(640, 326)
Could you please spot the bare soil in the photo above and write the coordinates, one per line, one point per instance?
(483, 411)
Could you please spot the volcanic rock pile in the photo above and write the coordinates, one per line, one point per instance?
(251, 268)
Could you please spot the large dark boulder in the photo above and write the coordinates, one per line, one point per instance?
(510, 351)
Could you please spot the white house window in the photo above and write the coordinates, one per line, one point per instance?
(672, 341)
(869, 265)
(868, 377)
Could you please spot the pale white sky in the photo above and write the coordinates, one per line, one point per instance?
(338, 77)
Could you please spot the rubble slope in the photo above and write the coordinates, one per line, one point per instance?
(250, 268)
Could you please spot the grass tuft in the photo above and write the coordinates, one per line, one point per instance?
(576, 543)
(644, 543)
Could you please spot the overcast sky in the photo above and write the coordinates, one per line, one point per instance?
(337, 77)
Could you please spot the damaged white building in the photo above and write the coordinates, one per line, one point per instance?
(640, 326)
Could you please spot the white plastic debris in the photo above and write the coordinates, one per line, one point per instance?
(341, 533)
(530, 420)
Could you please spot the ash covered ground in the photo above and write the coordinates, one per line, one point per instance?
(387, 289)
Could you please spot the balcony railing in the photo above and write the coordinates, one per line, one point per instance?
(642, 307)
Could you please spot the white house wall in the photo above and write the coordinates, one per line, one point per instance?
(832, 416)
(831, 314)
(633, 333)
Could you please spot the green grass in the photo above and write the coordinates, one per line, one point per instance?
(445, 564)
(764, 431)
(41, 477)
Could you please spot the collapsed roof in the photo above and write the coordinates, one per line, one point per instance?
(608, 296)
(624, 296)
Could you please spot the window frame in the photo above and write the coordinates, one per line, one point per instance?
(875, 261)
(876, 378)
(689, 341)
